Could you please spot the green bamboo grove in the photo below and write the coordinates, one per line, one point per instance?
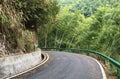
(86, 24)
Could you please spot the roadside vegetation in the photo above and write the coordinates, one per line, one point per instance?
(88, 24)
(84, 24)
(20, 21)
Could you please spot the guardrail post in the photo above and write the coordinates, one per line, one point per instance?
(113, 63)
(104, 61)
(111, 66)
(118, 73)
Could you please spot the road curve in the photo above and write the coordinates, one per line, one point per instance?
(64, 65)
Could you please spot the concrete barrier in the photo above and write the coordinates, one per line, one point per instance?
(11, 65)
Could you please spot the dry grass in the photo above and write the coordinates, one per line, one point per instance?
(17, 38)
(109, 74)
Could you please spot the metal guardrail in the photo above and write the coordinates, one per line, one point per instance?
(113, 61)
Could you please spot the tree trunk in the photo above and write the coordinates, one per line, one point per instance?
(61, 40)
(45, 41)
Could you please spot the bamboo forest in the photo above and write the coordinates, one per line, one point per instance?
(26, 25)
(90, 24)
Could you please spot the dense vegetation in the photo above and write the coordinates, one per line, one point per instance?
(85, 24)
(20, 21)
(88, 24)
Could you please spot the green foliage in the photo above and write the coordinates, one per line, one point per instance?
(20, 20)
(37, 12)
(87, 7)
(89, 24)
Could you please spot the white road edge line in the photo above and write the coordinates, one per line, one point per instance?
(102, 70)
(42, 62)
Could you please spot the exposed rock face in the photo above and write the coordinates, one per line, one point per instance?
(15, 64)
(2, 49)
(2, 46)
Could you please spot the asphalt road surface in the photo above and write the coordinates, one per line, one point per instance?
(68, 66)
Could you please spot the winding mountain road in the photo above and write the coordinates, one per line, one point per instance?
(64, 65)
